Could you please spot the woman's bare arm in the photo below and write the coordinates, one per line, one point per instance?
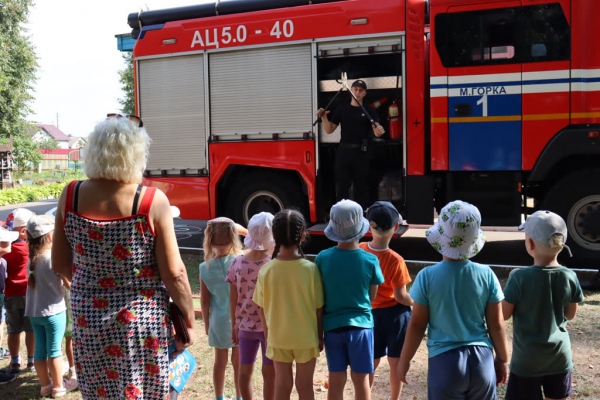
(170, 266)
(62, 254)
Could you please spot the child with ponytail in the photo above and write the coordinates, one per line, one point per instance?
(45, 306)
(221, 245)
(290, 294)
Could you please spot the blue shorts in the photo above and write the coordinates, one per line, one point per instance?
(390, 330)
(48, 333)
(349, 346)
(3, 314)
(466, 372)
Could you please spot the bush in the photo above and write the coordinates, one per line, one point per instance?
(26, 194)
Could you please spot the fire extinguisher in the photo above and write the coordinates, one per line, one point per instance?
(395, 119)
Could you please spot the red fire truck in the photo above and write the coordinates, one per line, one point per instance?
(498, 104)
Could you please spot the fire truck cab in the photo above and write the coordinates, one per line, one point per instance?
(493, 102)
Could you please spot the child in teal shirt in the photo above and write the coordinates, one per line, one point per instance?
(221, 246)
(459, 301)
(350, 279)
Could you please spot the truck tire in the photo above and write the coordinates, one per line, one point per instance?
(576, 198)
(269, 192)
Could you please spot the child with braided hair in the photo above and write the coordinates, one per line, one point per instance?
(290, 294)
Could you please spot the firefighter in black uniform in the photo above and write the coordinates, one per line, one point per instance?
(352, 161)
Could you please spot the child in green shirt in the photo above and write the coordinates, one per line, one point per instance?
(541, 299)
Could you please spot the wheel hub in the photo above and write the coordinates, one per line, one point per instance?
(584, 222)
(262, 201)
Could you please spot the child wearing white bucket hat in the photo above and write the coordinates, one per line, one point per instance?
(350, 279)
(460, 302)
(247, 328)
(547, 295)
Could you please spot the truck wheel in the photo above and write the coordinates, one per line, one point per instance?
(576, 198)
(260, 192)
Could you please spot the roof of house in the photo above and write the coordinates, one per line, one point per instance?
(53, 131)
(74, 140)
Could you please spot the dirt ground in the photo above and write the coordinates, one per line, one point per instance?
(585, 340)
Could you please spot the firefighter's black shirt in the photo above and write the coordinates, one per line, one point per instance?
(355, 124)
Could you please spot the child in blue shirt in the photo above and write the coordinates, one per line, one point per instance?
(460, 301)
(350, 279)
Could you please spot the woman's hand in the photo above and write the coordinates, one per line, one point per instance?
(180, 346)
(206, 327)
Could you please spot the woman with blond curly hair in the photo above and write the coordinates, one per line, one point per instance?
(115, 240)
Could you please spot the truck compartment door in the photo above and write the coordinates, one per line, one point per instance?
(171, 104)
(261, 92)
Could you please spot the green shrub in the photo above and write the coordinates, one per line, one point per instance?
(26, 194)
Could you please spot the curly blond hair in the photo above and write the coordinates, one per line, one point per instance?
(117, 150)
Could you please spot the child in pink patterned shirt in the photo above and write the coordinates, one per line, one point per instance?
(247, 328)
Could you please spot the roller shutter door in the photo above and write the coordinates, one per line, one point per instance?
(264, 91)
(171, 92)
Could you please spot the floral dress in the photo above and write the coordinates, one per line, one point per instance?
(121, 327)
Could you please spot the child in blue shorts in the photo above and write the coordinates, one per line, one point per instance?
(350, 279)
(461, 302)
(391, 307)
(541, 299)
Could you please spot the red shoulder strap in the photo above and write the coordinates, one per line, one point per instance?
(69, 204)
(147, 200)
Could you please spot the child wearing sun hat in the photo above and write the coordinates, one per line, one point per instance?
(350, 279)
(460, 302)
(246, 325)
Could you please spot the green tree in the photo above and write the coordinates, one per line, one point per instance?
(48, 144)
(127, 85)
(25, 151)
(18, 65)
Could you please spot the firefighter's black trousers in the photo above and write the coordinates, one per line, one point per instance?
(352, 168)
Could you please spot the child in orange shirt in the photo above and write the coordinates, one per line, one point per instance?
(391, 307)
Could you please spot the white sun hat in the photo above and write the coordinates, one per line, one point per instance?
(260, 232)
(347, 223)
(457, 232)
(8, 236)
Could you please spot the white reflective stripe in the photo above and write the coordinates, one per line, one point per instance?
(543, 75)
(438, 80)
(585, 86)
(512, 77)
(438, 92)
(480, 91)
(585, 73)
(546, 88)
